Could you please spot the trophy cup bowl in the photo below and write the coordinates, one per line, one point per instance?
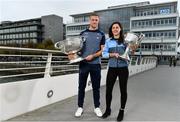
(71, 46)
(131, 39)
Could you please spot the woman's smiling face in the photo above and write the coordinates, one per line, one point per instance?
(116, 30)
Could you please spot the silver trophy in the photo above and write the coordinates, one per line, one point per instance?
(131, 39)
(71, 45)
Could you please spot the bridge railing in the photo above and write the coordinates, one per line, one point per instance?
(26, 63)
(44, 77)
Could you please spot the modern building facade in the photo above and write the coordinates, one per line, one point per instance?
(32, 30)
(159, 22)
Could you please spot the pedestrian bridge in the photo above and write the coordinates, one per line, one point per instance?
(50, 94)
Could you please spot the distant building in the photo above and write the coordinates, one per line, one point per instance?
(159, 22)
(32, 30)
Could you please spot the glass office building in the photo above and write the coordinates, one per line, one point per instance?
(32, 30)
(159, 22)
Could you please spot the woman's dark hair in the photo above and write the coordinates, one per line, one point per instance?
(121, 37)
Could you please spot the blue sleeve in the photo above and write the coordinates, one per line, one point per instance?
(105, 52)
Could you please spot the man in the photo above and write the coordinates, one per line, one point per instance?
(92, 49)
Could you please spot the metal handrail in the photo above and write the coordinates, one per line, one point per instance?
(47, 65)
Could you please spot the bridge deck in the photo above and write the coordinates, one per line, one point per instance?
(152, 96)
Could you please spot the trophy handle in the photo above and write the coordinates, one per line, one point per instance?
(62, 49)
(140, 38)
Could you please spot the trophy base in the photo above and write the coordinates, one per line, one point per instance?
(77, 60)
(124, 57)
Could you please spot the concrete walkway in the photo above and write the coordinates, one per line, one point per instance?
(152, 96)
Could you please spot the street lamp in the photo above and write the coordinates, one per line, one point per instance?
(161, 47)
(153, 48)
(140, 52)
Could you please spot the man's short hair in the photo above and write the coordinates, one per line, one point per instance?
(94, 14)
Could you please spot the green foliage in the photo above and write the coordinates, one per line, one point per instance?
(47, 44)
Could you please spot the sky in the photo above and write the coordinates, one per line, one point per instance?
(14, 10)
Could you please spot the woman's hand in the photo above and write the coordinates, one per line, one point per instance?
(133, 48)
(115, 55)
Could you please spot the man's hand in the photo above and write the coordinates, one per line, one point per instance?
(89, 57)
(71, 56)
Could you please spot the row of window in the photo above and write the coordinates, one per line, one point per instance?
(154, 11)
(24, 41)
(74, 28)
(19, 29)
(158, 47)
(81, 19)
(154, 22)
(166, 34)
(21, 35)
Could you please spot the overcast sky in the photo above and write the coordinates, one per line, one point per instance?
(13, 10)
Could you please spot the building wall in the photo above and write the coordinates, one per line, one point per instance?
(53, 27)
(159, 23)
(32, 30)
(21, 32)
(121, 15)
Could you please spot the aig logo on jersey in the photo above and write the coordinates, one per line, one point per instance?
(98, 36)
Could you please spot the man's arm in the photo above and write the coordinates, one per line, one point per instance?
(97, 54)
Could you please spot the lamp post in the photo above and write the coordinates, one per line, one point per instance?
(161, 47)
(140, 51)
(153, 49)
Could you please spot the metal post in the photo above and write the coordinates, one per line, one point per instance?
(48, 66)
(161, 47)
(140, 52)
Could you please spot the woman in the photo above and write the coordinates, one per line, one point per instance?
(114, 47)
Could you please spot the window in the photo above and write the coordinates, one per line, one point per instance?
(10, 36)
(174, 34)
(154, 22)
(144, 13)
(33, 28)
(154, 34)
(158, 22)
(142, 22)
(166, 21)
(150, 34)
(157, 34)
(174, 21)
(137, 14)
(162, 22)
(155, 12)
(170, 21)
(1, 31)
(170, 34)
(150, 23)
(12, 30)
(18, 29)
(162, 34)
